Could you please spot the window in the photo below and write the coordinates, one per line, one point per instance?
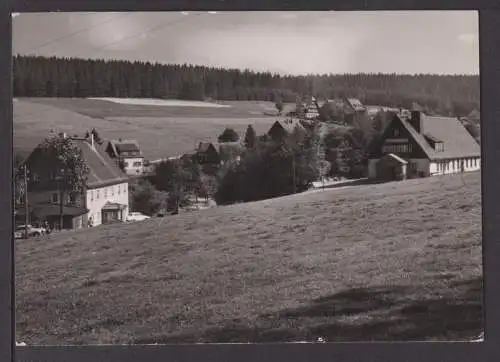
(125, 164)
(91, 195)
(112, 190)
(413, 166)
(119, 189)
(35, 177)
(97, 194)
(396, 132)
(137, 164)
(105, 192)
(125, 188)
(71, 198)
(55, 197)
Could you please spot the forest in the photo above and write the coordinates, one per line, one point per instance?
(36, 76)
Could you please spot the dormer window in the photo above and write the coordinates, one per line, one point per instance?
(439, 147)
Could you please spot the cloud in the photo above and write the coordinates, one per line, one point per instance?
(468, 38)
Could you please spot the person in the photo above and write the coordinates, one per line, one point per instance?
(91, 222)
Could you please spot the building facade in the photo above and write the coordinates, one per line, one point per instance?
(103, 200)
(430, 146)
(128, 156)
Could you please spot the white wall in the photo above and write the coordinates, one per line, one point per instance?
(130, 169)
(432, 168)
(454, 166)
(97, 198)
(372, 168)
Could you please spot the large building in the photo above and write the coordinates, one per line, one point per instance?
(423, 146)
(104, 200)
(128, 155)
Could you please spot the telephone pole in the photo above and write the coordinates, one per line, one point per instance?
(26, 208)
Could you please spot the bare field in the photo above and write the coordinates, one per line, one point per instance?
(397, 261)
(100, 108)
(158, 136)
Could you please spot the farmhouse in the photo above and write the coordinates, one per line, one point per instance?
(105, 199)
(423, 146)
(128, 155)
(284, 128)
(207, 153)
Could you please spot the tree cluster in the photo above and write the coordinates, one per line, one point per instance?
(271, 169)
(69, 77)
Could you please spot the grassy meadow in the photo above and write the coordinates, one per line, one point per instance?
(161, 131)
(396, 262)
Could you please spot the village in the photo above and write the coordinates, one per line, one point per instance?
(409, 144)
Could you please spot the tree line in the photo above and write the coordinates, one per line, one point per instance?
(36, 76)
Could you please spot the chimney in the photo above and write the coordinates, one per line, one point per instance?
(92, 139)
(416, 121)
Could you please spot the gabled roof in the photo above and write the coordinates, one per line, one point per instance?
(397, 158)
(103, 169)
(205, 146)
(458, 143)
(119, 146)
(289, 124)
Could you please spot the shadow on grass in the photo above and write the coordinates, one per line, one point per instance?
(366, 314)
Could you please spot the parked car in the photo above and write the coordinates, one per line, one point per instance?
(32, 231)
(136, 216)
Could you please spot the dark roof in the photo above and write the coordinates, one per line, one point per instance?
(113, 206)
(289, 125)
(103, 169)
(119, 146)
(49, 209)
(458, 143)
(205, 146)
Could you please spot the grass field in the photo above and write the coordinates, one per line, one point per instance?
(161, 131)
(396, 261)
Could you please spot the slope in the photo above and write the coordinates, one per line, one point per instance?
(395, 261)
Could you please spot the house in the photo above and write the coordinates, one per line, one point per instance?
(311, 109)
(104, 199)
(355, 104)
(207, 153)
(128, 155)
(230, 152)
(426, 145)
(285, 128)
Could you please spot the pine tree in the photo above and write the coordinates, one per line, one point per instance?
(250, 137)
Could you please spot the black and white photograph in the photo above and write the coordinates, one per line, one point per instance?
(247, 177)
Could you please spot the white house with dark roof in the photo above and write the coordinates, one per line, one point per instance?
(105, 199)
(428, 146)
(128, 155)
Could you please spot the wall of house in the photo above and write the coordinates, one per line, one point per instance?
(44, 197)
(415, 166)
(454, 166)
(419, 167)
(98, 197)
(129, 167)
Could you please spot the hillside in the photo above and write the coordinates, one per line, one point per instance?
(395, 261)
(161, 131)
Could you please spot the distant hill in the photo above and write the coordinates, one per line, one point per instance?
(62, 77)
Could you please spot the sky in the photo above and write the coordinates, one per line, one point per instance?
(437, 42)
